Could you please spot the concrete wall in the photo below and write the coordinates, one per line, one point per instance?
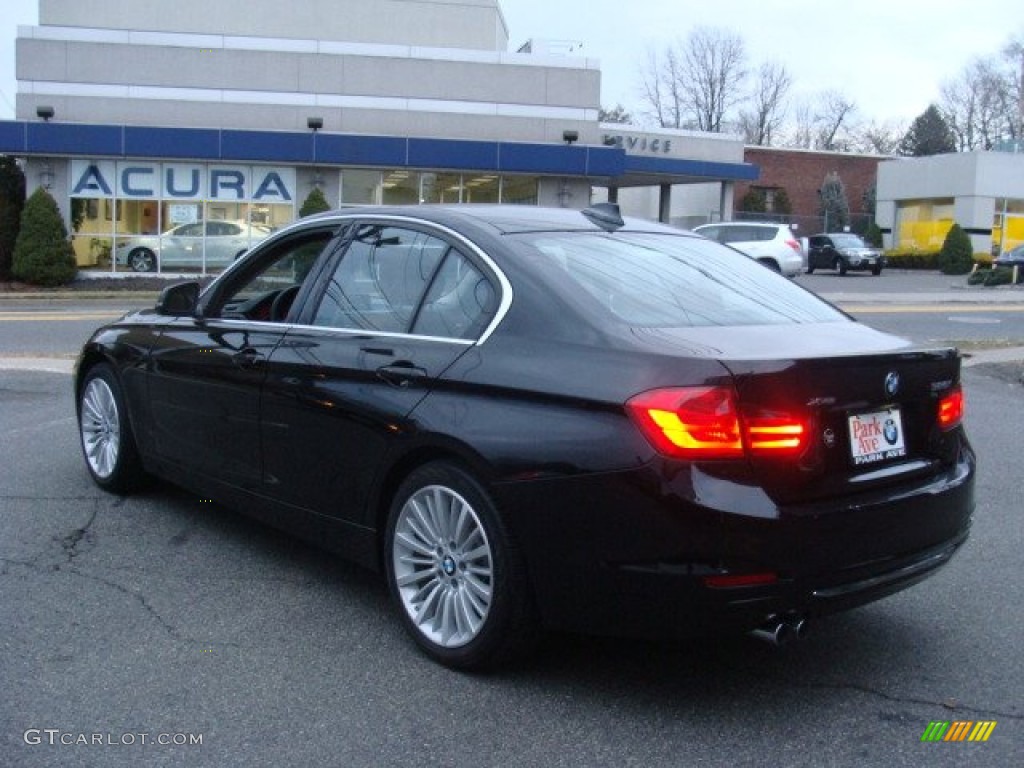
(390, 90)
(974, 180)
(470, 24)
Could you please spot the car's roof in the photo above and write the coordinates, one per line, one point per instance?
(505, 219)
(743, 224)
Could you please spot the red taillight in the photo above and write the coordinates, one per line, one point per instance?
(774, 433)
(951, 409)
(795, 246)
(692, 422)
(705, 423)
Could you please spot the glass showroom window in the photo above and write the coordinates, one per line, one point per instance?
(92, 234)
(441, 188)
(1008, 225)
(519, 190)
(401, 187)
(360, 187)
(483, 188)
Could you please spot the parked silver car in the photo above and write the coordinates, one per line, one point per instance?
(183, 246)
(770, 243)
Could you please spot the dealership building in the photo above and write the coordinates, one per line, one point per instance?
(920, 198)
(139, 123)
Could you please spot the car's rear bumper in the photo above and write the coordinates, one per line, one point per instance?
(631, 553)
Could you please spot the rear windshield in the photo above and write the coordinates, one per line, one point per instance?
(664, 280)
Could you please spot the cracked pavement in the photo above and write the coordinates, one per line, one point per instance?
(158, 613)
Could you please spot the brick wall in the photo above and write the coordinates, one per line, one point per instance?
(802, 172)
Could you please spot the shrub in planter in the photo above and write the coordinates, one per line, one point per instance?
(999, 276)
(957, 255)
(42, 253)
(315, 203)
(912, 259)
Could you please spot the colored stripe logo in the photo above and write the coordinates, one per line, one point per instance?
(958, 730)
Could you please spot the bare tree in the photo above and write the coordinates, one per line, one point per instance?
(833, 116)
(979, 104)
(1014, 53)
(802, 136)
(695, 84)
(880, 138)
(660, 79)
(768, 108)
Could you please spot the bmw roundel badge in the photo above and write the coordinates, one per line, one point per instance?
(892, 384)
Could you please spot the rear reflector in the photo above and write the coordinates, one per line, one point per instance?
(705, 423)
(726, 580)
(951, 409)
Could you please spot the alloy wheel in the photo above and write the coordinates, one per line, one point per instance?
(443, 566)
(100, 425)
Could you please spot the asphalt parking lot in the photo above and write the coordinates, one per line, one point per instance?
(160, 617)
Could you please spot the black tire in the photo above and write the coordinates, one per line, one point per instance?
(462, 593)
(142, 260)
(876, 271)
(105, 433)
(840, 266)
(810, 269)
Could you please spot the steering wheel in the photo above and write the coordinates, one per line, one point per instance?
(282, 303)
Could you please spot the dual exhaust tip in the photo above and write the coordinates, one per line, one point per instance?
(782, 630)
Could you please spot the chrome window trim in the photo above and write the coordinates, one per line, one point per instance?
(330, 329)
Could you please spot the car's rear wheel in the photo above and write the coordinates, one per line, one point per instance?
(106, 436)
(454, 571)
(876, 271)
(142, 260)
(840, 266)
(771, 264)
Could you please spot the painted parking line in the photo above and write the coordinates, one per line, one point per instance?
(935, 309)
(45, 317)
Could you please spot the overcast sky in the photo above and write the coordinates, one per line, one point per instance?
(889, 56)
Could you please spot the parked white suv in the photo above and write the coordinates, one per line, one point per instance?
(772, 244)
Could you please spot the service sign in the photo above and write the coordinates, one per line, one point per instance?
(143, 180)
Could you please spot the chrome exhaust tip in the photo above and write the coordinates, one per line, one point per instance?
(774, 632)
(779, 631)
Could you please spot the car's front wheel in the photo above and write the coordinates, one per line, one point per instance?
(106, 436)
(876, 270)
(142, 260)
(840, 265)
(454, 571)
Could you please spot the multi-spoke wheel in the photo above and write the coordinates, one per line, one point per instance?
(454, 571)
(107, 440)
(142, 260)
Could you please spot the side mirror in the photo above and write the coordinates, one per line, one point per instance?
(178, 300)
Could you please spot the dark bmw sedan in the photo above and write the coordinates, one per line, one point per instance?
(531, 418)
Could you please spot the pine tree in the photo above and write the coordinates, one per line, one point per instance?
(315, 203)
(12, 200)
(42, 253)
(834, 205)
(929, 134)
(957, 255)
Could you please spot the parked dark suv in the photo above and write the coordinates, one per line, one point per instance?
(842, 252)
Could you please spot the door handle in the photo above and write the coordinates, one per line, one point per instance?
(400, 373)
(247, 358)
